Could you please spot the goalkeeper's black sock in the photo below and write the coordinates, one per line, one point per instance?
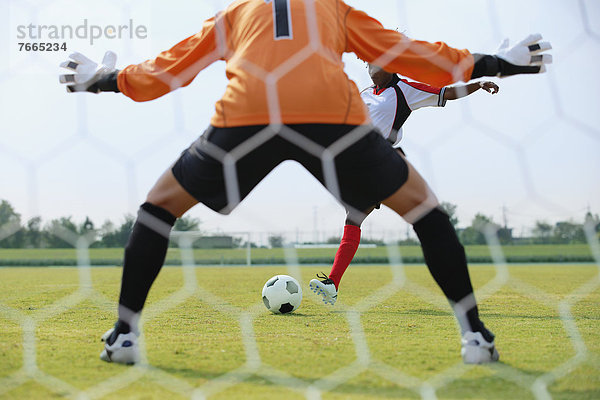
(445, 257)
(144, 256)
(120, 327)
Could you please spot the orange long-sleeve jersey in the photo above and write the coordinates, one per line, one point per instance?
(283, 62)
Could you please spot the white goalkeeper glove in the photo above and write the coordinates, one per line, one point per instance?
(90, 76)
(527, 53)
(526, 57)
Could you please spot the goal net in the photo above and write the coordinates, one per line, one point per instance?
(524, 156)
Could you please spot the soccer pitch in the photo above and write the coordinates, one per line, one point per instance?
(390, 336)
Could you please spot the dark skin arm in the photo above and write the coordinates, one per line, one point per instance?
(381, 78)
(457, 92)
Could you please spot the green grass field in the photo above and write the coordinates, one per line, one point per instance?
(380, 341)
(410, 254)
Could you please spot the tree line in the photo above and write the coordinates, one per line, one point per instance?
(562, 232)
(33, 233)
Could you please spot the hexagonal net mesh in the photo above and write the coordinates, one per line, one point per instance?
(548, 109)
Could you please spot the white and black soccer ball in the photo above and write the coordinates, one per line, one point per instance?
(282, 294)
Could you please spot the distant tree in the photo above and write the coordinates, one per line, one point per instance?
(9, 217)
(481, 222)
(8, 213)
(333, 240)
(451, 211)
(187, 224)
(55, 231)
(542, 233)
(33, 233)
(475, 234)
(409, 242)
(239, 242)
(88, 230)
(86, 227)
(276, 241)
(505, 235)
(377, 242)
(118, 237)
(107, 229)
(470, 235)
(569, 232)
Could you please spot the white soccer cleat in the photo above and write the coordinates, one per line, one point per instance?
(477, 350)
(124, 350)
(325, 287)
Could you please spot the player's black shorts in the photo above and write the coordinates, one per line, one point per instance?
(368, 170)
(399, 150)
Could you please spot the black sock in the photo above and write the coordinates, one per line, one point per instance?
(144, 256)
(445, 257)
(120, 327)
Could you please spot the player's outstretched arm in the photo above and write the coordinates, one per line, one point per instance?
(89, 76)
(526, 57)
(151, 79)
(438, 64)
(457, 92)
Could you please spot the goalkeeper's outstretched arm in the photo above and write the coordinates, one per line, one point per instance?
(171, 69)
(526, 57)
(436, 64)
(89, 76)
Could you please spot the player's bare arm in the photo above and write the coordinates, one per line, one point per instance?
(458, 92)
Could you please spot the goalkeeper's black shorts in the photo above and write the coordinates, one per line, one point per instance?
(225, 164)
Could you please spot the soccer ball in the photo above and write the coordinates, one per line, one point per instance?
(282, 294)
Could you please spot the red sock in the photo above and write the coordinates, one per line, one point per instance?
(345, 253)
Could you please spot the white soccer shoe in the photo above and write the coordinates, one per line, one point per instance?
(477, 350)
(124, 350)
(325, 287)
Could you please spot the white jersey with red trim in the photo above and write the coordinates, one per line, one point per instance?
(389, 107)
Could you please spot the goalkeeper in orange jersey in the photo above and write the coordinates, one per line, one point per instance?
(390, 101)
(288, 98)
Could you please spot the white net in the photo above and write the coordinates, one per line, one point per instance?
(534, 146)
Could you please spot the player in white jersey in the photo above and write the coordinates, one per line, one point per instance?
(390, 101)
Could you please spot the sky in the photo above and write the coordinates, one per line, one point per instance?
(530, 153)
